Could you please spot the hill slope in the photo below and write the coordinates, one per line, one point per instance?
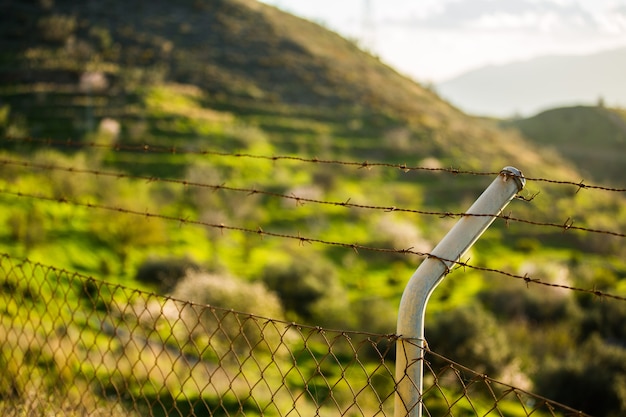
(593, 138)
(224, 86)
(66, 68)
(530, 86)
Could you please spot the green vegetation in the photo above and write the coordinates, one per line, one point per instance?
(209, 85)
(593, 138)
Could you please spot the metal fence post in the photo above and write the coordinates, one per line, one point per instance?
(410, 345)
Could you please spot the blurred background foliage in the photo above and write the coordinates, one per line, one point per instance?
(239, 78)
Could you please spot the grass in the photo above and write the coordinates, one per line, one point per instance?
(593, 138)
(71, 342)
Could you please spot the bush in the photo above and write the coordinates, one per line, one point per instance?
(27, 227)
(376, 315)
(56, 28)
(230, 293)
(230, 332)
(300, 285)
(471, 336)
(165, 273)
(592, 380)
(606, 318)
(64, 183)
(519, 303)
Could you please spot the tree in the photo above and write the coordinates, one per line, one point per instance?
(165, 273)
(301, 284)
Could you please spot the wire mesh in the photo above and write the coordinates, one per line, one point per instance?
(77, 346)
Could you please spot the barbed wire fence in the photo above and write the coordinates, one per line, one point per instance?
(78, 345)
(566, 225)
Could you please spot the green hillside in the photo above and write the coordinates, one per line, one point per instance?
(241, 57)
(592, 138)
(144, 140)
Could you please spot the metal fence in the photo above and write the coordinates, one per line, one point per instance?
(74, 345)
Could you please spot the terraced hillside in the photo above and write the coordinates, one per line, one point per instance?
(146, 141)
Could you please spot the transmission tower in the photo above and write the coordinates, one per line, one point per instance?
(368, 27)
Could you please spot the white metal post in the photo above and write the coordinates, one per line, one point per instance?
(410, 345)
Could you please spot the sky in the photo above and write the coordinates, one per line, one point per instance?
(435, 40)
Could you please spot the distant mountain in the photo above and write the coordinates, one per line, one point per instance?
(592, 138)
(527, 87)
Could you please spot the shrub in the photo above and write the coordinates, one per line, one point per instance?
(300, 285)
(230, 332)
(376, 315)
(165, 273)
(519, 303)
(125, 233)
(102, 36)
(56, 28)
(64, 183)
(607, 318)
(230, 293)
(592, 380)
(471, 336)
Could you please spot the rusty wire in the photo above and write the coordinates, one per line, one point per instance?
(568, 224)
(148, 148)
(469, 380)
(76, 345)
(308, 240)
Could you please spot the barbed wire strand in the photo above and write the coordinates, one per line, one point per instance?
(304, 240)
(568, 224)
(147, 148)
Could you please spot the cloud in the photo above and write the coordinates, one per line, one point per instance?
(459, 35)
(613, 21)
(499, 15)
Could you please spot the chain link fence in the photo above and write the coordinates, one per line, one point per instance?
(76, 346)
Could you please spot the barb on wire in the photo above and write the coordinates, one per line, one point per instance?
(302, 239)
(527, 279)
(579, 185)
(300, 201)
